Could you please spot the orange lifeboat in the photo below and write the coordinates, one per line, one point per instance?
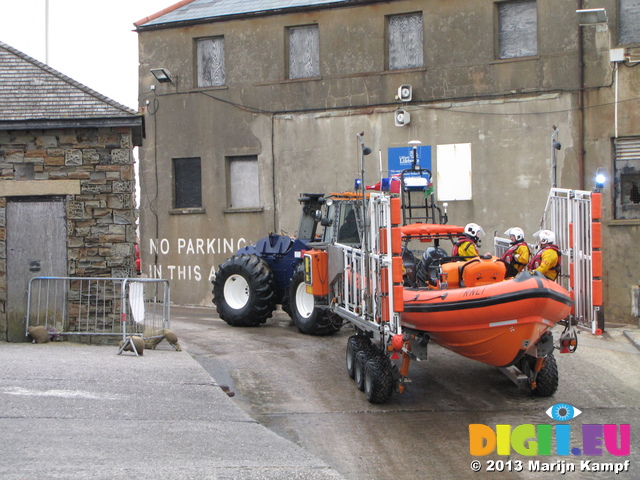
(474, 312)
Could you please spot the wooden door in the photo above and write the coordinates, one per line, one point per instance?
(36, 246)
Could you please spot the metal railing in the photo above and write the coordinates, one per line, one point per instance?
(99, 306)
(366, 296)
(568, 214)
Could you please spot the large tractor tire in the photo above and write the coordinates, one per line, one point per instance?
(244, 291)
(379, 382)
(307, 317)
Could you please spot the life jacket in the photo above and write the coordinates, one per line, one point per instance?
(537, 260)
(509, 259)
(463, 239)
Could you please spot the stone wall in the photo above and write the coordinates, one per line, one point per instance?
(92, 169)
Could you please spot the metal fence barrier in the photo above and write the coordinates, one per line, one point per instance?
(569, 214)
(99, 306)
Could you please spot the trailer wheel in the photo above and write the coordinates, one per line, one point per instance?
(547, 379)
(378, 379)
(309, 319)
(355, 344)
(362, 357)
(244, 291)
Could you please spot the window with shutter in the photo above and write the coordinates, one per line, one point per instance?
(210, 54)
(406, 45)
(187, 183)
(518, 29)
(304, 52)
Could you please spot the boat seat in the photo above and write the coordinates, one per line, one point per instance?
(452, 271)
(482, 271)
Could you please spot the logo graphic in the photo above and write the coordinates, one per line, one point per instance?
(561, 412)
(531, 440)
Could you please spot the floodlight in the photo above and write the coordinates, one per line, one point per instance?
(591, 16)
(162, 75)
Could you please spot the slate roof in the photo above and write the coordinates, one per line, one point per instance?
(31, 91)
(198, 10)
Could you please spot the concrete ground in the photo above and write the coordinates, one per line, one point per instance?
(72, 411)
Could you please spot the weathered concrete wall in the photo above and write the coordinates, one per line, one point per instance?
(507, 190)
(621, 265)
(303, 131)
(93, 170)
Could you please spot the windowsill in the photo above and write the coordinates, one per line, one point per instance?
(187, 211)
(622, 223)
(390, 71)
(215, 87)
(498, 61)
(338, 77)
(243, 210)
(304, 79)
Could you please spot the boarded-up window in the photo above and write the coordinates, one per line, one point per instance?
(406, 46)
(454, 172)
(210, 53)
(244, 182)
(629, 22)
(304, 52)
(627, 178)
(518, 29)
(187, 183)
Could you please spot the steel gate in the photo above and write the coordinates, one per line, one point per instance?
(574, 216)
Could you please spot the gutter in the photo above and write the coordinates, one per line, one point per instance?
(159, 14)
(140, 24)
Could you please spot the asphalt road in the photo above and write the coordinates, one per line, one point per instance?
(298, 387)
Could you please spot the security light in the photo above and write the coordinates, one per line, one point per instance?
(591, 16)
(162, 75)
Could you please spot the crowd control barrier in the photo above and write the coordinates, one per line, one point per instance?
(83, 306)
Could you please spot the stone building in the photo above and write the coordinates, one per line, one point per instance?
(256, 102)
(67, 182)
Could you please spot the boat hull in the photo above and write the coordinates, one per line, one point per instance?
(493, 324)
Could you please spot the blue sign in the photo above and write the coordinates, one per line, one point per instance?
(401, 158)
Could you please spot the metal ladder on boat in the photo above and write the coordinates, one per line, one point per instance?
(417, 195)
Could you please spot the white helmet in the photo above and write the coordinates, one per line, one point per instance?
(545, 236)
(474, 230)
(516, 232)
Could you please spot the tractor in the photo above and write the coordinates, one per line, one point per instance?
(249, 285)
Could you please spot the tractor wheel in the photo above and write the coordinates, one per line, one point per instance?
(378, 379)
(308, 318)
(244, 291)
(547, 378)
(355, 344)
